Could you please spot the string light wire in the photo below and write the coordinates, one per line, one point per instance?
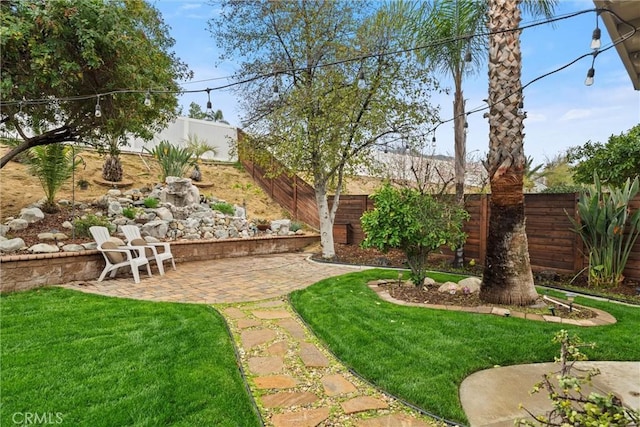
(148, 92)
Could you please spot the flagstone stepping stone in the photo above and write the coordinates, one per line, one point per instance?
(234, 313)
(306, 418)
(362, 403)
(248, 323)
(275, 381)
(312, 357)
(278, 349)
(256, 337)
(265, 365)
(270, 304)
(337, 384)
(271, 314)
(395, 420)
(293, 327)
(285, 399)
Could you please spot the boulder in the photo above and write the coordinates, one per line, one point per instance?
(4, 229)
(449, 287)
(52, 236)
(471, 283)
(157, 229)
(18, 224)
(115, 208)
(164, 214)
(43, 248)
(11, 245)
(281, 226)
(180, 192)
(31, 215)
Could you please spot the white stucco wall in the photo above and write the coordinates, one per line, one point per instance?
(222, 136)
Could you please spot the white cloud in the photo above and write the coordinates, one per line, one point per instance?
(576, 114)
(189, 6)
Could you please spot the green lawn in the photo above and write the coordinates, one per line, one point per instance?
(422, 355)
(98, 361)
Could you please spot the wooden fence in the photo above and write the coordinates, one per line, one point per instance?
(552, 243)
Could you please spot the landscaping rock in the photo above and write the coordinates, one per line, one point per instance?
(11, 245)
(471, 283)
(73, 248)
(17, 224)
(4, 229)
(43, 248)
(31, 215)
(157, 229)
(115, 208)
(448, 287)
(52, 236)
(164, 214)
(67, 225)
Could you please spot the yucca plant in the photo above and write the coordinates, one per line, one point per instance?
(608, 229)
(198, 147)
(52, 164)
(173, 160)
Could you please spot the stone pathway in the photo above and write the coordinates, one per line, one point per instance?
(296, 382)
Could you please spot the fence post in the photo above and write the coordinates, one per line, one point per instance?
(484, 225)
(578, 245)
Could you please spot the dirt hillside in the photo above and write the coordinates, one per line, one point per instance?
(229, 182)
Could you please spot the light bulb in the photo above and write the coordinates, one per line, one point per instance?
(595, 40)
(467, 56)
(98, 112)
(362, 83)
(147, 100)
(589, 80)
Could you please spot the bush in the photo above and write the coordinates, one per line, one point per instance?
(413, 222)
(81, 225)
(295, 226)
(151, 202)
(224, 207)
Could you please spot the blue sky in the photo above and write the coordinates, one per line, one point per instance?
(561, 111)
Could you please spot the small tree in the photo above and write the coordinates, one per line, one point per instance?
(608, 230)
(414, 222)
(198, 148)
(52, 165)
(571, 407)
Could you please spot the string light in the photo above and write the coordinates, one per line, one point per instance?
(98, 112)
(208, 99)
(595, 38)
(147, 99)
(275, 95)
(362, 82)
(361, 76)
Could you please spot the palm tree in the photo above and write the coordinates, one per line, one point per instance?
(507, 277)
(53, 165)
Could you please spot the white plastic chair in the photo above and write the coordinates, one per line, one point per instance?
(118, 256)
(134, 238)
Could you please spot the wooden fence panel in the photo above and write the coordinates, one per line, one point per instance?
(552, 243)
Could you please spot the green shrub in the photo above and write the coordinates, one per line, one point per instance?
(129, 212)
(53, 165)
(173, 160)
(223, 207)
(413, 222)
(151, 202)
(295, 226)
(81, 225)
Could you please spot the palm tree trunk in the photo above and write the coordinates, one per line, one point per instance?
(507, 275)
(460, 148)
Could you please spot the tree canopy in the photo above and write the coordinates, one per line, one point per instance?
(331, 95)
(58, 56)
(614, 162)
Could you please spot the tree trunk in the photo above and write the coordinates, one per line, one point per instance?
(326, 222)
(62, 134)
(460, 156)
(507, 277)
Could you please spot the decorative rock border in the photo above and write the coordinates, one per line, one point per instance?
(602, 318)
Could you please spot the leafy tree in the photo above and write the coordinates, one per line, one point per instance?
(614, 162)
(507, 277)
(52, 164)
(58, 55)
(414, 222)
(195, 112)
(323, 122)
(557, 175)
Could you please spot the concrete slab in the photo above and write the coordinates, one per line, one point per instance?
(491, 398)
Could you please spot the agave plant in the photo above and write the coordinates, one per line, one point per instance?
(608, 229)
(173, 160)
